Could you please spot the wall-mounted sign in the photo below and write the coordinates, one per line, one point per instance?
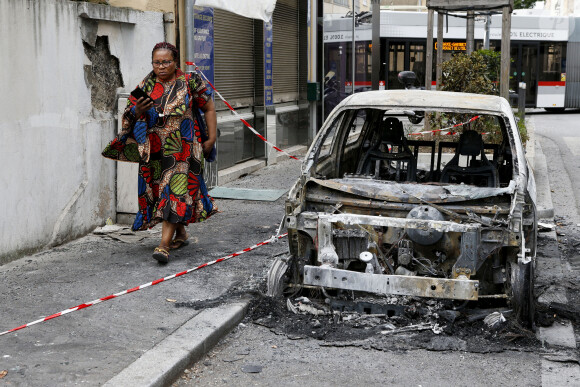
(268, 86)
(203, 41)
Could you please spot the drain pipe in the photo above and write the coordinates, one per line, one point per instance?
(189, 45)
(169, 27)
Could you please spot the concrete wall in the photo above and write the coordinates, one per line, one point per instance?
(55, 185)
(145, 5)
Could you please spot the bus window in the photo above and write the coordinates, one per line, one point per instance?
(417, 59)
(396, 64)
(363, 67)
(553, 59)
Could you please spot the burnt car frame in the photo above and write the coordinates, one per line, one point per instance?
(379, 211)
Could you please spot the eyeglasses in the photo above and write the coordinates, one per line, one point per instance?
(165, 63)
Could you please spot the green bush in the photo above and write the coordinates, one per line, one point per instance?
(521, 123)
(477, 73)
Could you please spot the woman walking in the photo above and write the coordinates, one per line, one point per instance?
(161, 133)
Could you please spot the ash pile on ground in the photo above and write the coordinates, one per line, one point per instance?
(568, 236)
(393, 324)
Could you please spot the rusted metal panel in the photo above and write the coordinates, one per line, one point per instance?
(384, 205)
(421, 224)
(401, 192)
(325, 276)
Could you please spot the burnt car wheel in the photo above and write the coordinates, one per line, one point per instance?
(520, 290)
(277, 279)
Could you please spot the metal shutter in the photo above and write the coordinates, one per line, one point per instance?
(234, 57)
(286, 51)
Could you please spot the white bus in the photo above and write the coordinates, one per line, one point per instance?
(545, 53)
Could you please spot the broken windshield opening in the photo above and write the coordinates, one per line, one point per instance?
(444, 148)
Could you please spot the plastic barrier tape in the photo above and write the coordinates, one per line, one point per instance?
(158, 281)
(448, 129)
(237, 115)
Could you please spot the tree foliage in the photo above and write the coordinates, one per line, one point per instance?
(476, 73)
(524, 4)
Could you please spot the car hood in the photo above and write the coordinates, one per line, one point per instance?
(410, 192)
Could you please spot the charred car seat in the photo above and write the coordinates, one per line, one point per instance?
(393, 149)
(479, 172)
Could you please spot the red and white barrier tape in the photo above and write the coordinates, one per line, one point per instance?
(448, 129)
(86, 305)
(239, 117)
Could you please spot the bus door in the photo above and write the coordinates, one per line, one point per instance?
(552, 76)
(405, 56)
(524, 68)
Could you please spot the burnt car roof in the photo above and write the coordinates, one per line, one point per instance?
(425, 99)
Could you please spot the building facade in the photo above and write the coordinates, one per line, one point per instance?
(77, 60)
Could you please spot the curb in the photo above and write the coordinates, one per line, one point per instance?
(537, 160)
(558, 335)
(164, 363)
(543, 193)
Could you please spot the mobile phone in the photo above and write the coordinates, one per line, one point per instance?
(138, 93)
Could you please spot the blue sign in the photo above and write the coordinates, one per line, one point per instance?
(203, 41)
(268, 88)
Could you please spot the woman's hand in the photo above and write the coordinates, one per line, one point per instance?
(211, 121)
(207, 147)
(143, 104)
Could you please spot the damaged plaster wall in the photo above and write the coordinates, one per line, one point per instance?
(103, 74)
(55, 185)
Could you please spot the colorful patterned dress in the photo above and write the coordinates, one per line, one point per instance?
(166, 142)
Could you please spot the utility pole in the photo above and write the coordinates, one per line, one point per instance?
(486, 36)
(506, 24)
(429, 50)
(439, 70)
(470, 33)
(376, 50)
(353, 47)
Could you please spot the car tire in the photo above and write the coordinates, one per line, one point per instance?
(277, 279)
(521, 292)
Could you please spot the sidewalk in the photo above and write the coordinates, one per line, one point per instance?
(156, 326)
(148, 338)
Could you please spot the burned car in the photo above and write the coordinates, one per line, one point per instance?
(443, 210)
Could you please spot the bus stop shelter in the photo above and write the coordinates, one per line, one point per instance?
(470, 7)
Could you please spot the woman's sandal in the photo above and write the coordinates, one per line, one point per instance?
(161, 254)
(178, 243)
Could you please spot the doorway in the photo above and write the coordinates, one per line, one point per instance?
(525, 68)
(405, 56)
